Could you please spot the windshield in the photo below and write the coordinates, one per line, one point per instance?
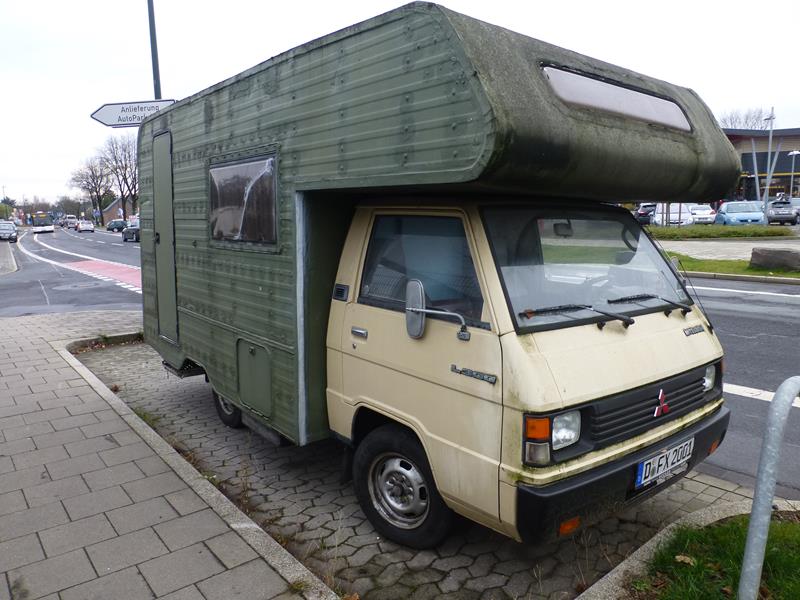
(39, 220)
(741, 207)
(561, 267)
(6, 226)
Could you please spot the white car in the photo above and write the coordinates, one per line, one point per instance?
(84, 226)
(703, 214)
(675, 213)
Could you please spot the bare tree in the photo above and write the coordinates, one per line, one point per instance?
(94, 179)
(119, 157)
(752, 118)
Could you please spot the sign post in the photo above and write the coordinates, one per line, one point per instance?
(128, 114)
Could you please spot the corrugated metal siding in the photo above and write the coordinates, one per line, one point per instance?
(390, 102)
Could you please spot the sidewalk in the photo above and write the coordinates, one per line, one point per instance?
(93, 504)
(295, 494)
(728, 249)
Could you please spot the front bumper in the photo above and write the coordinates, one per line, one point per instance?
(595, 494)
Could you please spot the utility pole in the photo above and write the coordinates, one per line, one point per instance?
(771, 119)
(793, 153)
(154, 51)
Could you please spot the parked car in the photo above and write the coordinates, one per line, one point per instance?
(8, 231)
(131, 232)
(71, 221)
(644, 214)
(740, 213)
(703, 214)
(117, 225)
(782, 212)
(84, 226)
(675, 213)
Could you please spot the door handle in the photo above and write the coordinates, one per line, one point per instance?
(157, 238)
(359, 332)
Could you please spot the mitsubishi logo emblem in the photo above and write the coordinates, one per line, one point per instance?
(663, 407)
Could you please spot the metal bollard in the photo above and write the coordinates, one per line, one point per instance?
(761, 513)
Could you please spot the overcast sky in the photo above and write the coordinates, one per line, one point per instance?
(62, 60)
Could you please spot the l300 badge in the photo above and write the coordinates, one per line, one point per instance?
(474, 374)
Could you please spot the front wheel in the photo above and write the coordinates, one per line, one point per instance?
(228, 413)
(395, 488)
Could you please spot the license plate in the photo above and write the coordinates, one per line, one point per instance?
(664, 464)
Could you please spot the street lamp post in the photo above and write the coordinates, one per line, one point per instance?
(793, 153)
(771, 119)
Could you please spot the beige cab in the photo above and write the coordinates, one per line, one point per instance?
(529, 365)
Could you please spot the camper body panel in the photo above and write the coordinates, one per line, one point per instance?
(385, 103)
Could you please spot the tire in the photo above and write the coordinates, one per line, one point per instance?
(390, 461)
(228, 413)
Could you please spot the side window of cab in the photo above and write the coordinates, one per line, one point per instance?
(432, 249)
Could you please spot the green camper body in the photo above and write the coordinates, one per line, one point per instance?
(418, 102)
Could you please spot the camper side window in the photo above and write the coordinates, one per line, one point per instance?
(243, 201)
(431, 249)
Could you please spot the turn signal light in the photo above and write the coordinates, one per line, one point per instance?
(568, 526)
(537, 428)
(714, 447)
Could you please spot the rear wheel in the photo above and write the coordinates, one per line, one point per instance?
(228, 413)
(395, 488)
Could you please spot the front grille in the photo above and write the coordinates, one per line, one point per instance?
(626, 415)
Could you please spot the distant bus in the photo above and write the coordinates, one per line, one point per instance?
(42, 223)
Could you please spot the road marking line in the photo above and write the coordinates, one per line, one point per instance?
(116, 244)
(67, 265)
(753, 292)
(46, 298)
(740, 390)
(111, 262)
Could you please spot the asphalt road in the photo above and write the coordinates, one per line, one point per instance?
(65, 271)
(758, 324)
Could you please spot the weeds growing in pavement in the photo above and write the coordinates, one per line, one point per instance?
(148, 417)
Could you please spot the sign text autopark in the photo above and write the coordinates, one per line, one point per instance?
(128, 114)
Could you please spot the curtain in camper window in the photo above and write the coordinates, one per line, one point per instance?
(243, 203)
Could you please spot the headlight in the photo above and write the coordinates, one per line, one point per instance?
(771, 212)
(566, 429)
(709, 378)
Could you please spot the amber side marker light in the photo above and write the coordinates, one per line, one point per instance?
(568, 526)
(713, 447)
(537, 428)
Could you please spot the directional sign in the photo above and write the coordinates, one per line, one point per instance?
(128, 114)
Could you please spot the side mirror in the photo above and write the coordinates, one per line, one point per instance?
(415, 306)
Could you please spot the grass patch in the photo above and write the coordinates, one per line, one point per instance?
(706, 563)
(730, 267)
(148, 417)
(699, 232)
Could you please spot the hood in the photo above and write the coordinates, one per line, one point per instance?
(577, 364)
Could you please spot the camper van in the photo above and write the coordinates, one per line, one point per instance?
(406, 235)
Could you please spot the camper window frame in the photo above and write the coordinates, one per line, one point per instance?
(544, 64)
(242, 157)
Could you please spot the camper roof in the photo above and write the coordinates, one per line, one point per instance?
(458, 100)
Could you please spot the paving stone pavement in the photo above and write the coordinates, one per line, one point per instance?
(729, 249)
(295, 494)
(87, 508)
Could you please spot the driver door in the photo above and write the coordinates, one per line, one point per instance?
(432, 384)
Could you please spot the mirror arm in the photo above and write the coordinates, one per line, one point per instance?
(462, 334)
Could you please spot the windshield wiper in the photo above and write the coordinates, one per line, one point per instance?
(685, 308)
(529, 313)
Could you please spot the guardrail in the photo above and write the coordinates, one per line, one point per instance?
(761, 513)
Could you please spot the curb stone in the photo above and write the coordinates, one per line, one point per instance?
(273, 553)
(751, 278)
(7, 262)
(613, 585)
